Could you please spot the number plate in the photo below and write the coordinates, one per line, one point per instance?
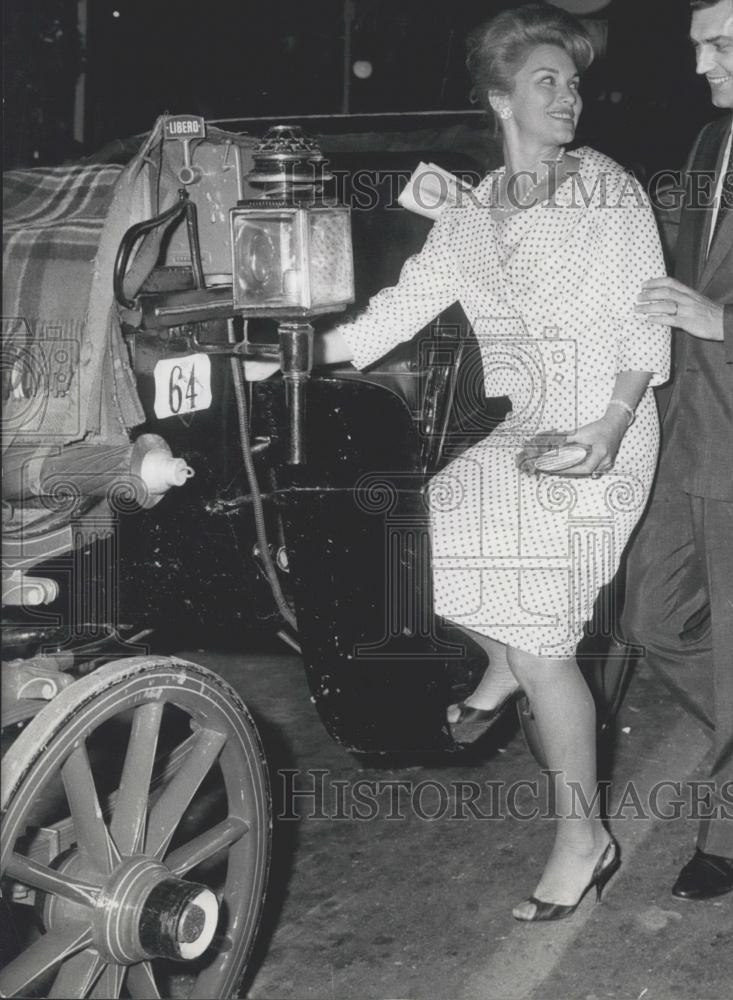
(182, 385)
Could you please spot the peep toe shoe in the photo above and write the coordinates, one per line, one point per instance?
(608, 864)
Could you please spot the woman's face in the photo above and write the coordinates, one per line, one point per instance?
(545, 101)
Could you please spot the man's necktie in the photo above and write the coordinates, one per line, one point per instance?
(726, 197)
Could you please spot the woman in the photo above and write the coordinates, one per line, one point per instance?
(546, 258)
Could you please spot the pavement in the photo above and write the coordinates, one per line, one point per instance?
(397, 883)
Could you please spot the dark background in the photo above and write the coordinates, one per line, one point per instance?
(232, 58)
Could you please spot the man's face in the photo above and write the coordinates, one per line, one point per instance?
(712, 35)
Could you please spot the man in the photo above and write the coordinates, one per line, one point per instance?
(679, 597)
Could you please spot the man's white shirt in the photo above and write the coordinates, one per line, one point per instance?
(719, 187)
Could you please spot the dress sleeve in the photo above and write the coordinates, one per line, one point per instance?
(427, 285)
(630, 254)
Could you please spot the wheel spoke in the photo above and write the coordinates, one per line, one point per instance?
(109, 985)
(17, 978)
(167, 812)
(86, 812)
(224, 834)
(128, 821)
(212, 974)
(141, 982)
(77, 976)
(165, 767)
(39, 876)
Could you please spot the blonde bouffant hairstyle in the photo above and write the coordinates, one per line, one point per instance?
(497, 49)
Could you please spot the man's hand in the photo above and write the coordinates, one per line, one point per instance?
(670, 303)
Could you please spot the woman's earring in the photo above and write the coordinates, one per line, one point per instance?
(505, 114)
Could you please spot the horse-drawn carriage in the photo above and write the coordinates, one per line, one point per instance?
(149, 483)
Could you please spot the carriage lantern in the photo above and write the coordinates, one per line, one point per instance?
(291, 255)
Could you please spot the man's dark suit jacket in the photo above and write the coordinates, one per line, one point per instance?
(698, 423)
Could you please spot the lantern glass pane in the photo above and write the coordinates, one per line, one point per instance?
(331, 265)
(267, 251)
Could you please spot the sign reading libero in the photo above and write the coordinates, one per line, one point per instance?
(185, 127)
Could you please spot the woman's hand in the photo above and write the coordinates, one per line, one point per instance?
(330, 348)
(604, 437)
(256, 370)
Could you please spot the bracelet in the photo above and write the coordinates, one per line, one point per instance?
(630, 412)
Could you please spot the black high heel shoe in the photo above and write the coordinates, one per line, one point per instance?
(473, 723)
(607, 866)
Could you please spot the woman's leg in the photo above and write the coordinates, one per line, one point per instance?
(566, 721)
(498, 681)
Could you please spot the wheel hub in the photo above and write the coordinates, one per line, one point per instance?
(178, 919)
(142, 912)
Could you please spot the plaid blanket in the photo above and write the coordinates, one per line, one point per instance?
(52, 215)
(65, 367)
(52, 224)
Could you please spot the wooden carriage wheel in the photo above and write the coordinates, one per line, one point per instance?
(136, 837)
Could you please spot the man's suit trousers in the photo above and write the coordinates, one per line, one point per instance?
(679, 605)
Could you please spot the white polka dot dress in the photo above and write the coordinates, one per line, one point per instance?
(550, 293)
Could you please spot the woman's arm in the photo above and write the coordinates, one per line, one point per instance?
(630, 254)
(427, 285)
